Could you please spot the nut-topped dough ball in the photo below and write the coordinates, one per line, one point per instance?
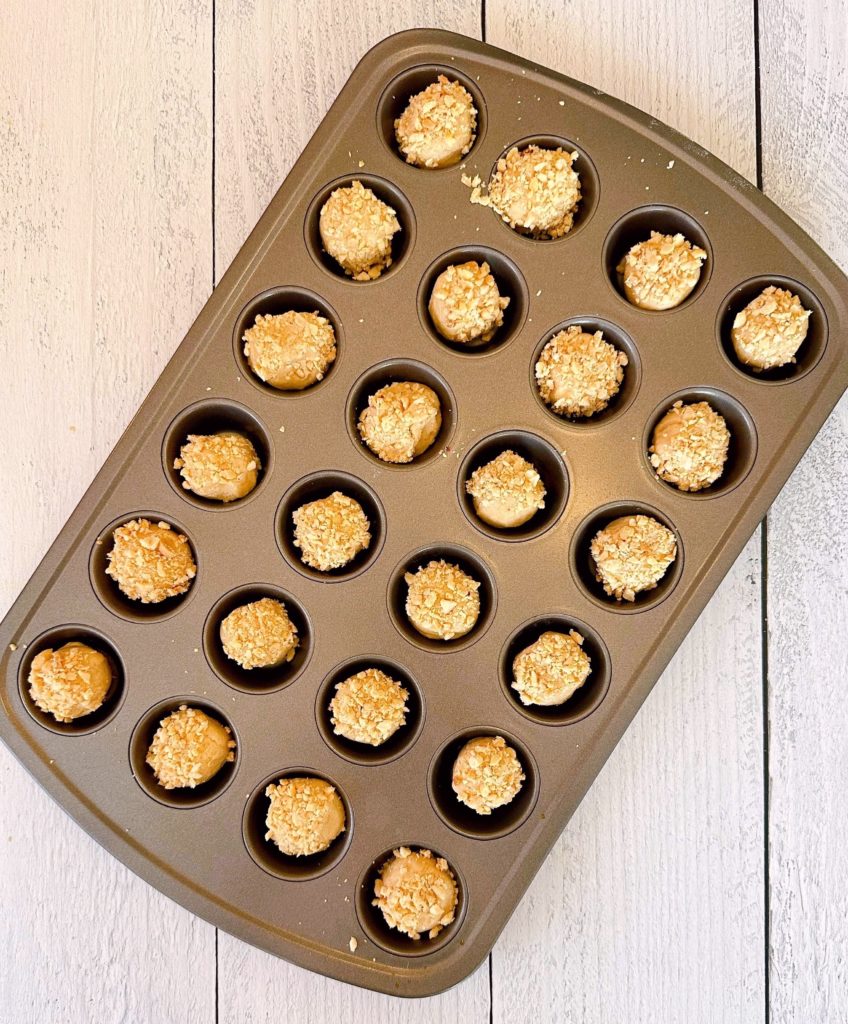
(70, 682)
(189, 748)
(486, 774)
(368, 707)
(304, 815)
(356, 230)
(222, 467)
(259, 634)
(401, 421)
(465, 304)
(416, 892)
(768, 332)
(661, 272)
(632, 554)
(150, 562)
(551, 669)
(443, 602)
(507, 492)
(578, 374)
(437, 127)
(292, 350)
(689, 446)
(536, 191)
(330, 532)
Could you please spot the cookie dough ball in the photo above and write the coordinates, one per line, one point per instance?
(551, 669)
(259, 634)
(578, 374)
(368, 707)
(443, 602)
(330, 532)
(189, 748)
(465, 304)
(487, 774)
(290, 351)
(536, 191)
(401, 421)
(662, 272)
(70, 682)
(689, 446)
(507, 492)
(150, 562)
(356, 230)
(304, 815)
(768, 332)
(416, 892)
(437, 127)
(221, 467)
(632, 554)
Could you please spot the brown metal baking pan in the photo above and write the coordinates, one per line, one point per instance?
(206, 850)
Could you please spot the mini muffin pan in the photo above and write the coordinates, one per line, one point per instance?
(206, 848)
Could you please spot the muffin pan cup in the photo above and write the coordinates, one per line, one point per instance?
(637, 166)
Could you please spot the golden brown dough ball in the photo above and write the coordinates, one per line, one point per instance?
(221, 467)
(304, 815)
(150, 562)
(768, 332)
(357, 230)
(292, 350)
(486, 774)
(689, 446)
(578, 374)
(259, 634)
(507, 492)
(466, 304)
(632, 554)
(70, 682)
(189, 748)
(551, 669)
(437, 127)
(401, 421)
(416, 892)
(661, 272)
(536, 190)
(443, 601)
(331, 531)
(368, 707)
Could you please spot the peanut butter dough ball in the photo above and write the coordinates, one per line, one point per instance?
(551, 669)
(70, 682)
(189, 748)
(661, 272)
(487, 774)
(578, 374)
(150, 562)
(401, 421)
(465, 304)
(437, 127)
(330, 532)
(443, 602)
(416, 892)
(304, 815)
(368, 707)
(222, 467)
(689, 446)
(768, 332)
(632, 554)
(507, 492)
(292, 350)
(356, 230)
(535, 190)
(259, 634)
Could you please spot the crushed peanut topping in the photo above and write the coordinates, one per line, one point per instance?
(189, 748)
(222, 467)
(507, 491)
(304, 815)
(150, 562)
(331, 532)
(416, 892)
(401, 421)
(356, 230)
(578, 374)
(368, 707)
(661, 272)
(70, 682)
(259, 634)
(689, 446)
(437, 127)
(292, 350)
(551, 669)
(768, 332)
(465, 304)
(632, 555)
(487, 774)
(443, 602)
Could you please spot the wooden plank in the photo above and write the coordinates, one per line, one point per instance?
(278, 69)
(804, 54)
(105, 230)
(651, 906)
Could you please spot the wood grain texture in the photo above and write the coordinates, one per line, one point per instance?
(105, 232)
(804, 48)
(651, 907)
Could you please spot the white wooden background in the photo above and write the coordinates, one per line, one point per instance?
(704, 878)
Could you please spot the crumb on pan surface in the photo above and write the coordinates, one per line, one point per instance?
(768, 332)
(356, 230)
(368, 707)
(69, 682)
(150, 562)
(416, 892)
(661, 272)
(443, 601)
(222, 467)
(551, 669)
(189, 748)
(507, 491)
(331, 531)
(401, 421)
(466, 304)
(259, 634)
(437, 127)
(291, 350)
(632, 554)
(578, 374)
(487, 774)
(689, 446)
(304, 815)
